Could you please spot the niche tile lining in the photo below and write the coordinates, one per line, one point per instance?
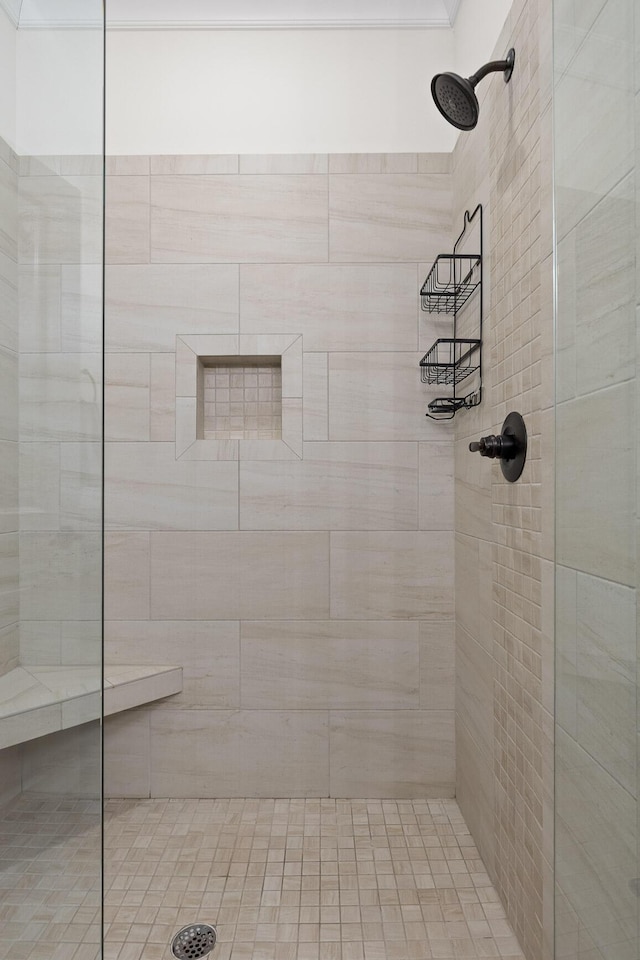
(198, 437)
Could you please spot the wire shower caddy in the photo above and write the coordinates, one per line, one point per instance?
(451, 283)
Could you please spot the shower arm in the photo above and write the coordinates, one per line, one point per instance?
(495, 66)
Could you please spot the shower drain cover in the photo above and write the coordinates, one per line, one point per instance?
(195, 941)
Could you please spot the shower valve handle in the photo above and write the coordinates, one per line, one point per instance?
(510, 447)
(502, 447)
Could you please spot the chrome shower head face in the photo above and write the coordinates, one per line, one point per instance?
(456, 100)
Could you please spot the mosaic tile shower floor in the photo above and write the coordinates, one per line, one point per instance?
(300, 880)
(281, 879)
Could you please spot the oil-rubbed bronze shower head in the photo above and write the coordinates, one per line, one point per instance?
(455, 96)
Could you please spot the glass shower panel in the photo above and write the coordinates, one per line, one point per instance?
(51, 236)
(596, 191)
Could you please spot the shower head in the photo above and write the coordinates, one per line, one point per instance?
(455, 97)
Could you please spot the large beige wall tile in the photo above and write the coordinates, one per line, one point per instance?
(474, 689)
(60, 396)
(9, 476)
(80, 486)
(472, 492)
(39, 486)
(8, 302)
(66, 764)
(209, 653)
(436, 486)
(392, 753)
(10, 774)
(315, 396)
(8, 394)
(330, 665)
(338, 486)
(389, 217)
(437, 665)
(238, 219)
(392, 574)
(606, 676)
(127, 377)
(284, 163)
(231, 576)
(334, 306)
(9, 211)
(60, 576)
(373, 163)
(273, 753)
(148, 489)
(600, 542)
(81, 307)
(148, 305)
(39, 305)
(194, 164)
(473, 568)
(379, 397)
(9, 580)
(127, 220)
(475, 790)
(61, 220)
(126, 754)
(162, 399)
(126, 576)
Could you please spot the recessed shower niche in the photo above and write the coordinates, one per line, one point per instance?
(239, 397)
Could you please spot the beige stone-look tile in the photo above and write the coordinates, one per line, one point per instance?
(10, 775)
(39, 486)
(435, 162)
(271, 752)
(437, 665)
(60, 575)
(9, 398)
(66, 766)
(9, 483)
(373, 163)
(60, 396)
(392, 575)
(9, 648)
(291, 369)
(9, 304)
(82, 165)
(291, 427)
(9, 580)
(436, 486)
(127, 396)
(127, 687)
(9, 209)
(474, 682)
(61, 220)
(476, 789)
(348, 486)
(334, 306)
(21, 728)
(315, 396)
(194, 164)
(473, 568)
(127, 230)
(392, 753)
(162, 397)
(39, 305)
(148, 489)
(80, 642)
(126, 576)
(329, 665)
(566, 635)
(81, 308)
(208, 651)
(127, 166)
(379, 397)
(606, 675)
(274, 449)
(126, 754)
(472, 491)
(284, 163)
(230, 576)
(389, 217)
(80, 486)
(600, 542)
(238, 219)
(148, 305)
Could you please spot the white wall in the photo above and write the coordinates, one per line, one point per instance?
(7, 79)
(477, 29)
(277, 91)
(59, 92)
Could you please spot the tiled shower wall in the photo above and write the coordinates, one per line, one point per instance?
(309, 599)
(504, 532)
(9, 613)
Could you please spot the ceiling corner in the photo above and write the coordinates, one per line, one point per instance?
(12, 10)
(452, 7)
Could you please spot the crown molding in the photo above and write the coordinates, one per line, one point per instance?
(12, 10)
(232, 14)
(452, 8)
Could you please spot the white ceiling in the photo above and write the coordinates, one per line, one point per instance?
(211, 14)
